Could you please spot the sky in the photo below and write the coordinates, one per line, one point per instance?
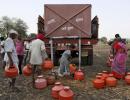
(114, 15)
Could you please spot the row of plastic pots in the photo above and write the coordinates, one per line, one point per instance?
(27, 70)
(78, 74)
(104, 79)
(59, 91)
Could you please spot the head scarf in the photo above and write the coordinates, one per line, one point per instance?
(40, 36)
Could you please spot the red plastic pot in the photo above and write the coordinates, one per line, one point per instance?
(56, 89)
(111, 81)
(50, 80)
(11, 72)
(105, 74)
(40, 82)
(99, 83)
(79, 75)
(66, 94)
(27, 70)
(117, 75)
(72, 68)
(101, 74)
(47, 64)
(127, 78)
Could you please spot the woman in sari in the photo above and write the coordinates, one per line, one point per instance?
(119, 62)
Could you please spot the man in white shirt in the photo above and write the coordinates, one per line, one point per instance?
(37, 54)
(11, 55)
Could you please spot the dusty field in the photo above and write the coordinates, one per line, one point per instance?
(83, 89)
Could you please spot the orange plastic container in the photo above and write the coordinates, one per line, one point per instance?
(11, 72)
(79, 75)
(111, 81)
(47, 64)
(40, 82)
(99, 83)
(66, 94)
(127, 78)
(56, 89)
(27, 70)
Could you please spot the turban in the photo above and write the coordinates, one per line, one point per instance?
(40, 36)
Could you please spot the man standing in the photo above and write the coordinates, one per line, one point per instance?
(37, 54)
(11, 55)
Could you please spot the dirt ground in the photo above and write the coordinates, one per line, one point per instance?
(83, 90)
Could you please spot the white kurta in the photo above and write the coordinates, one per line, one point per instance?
(10, 47)
(37, 46)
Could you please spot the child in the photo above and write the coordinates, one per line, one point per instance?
(110, 59)
(65, 61)
(119, 62)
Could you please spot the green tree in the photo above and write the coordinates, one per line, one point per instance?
(21, 27)
(104, 39)
(17, 24)
(5, 25)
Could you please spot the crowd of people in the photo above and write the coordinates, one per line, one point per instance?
(17, 52)
(14, 47)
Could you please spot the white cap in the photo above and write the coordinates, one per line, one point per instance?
(13, 31)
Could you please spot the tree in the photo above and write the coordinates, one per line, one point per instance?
(104, 39)
(5, 25)
(21, 27)
(13, 23)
